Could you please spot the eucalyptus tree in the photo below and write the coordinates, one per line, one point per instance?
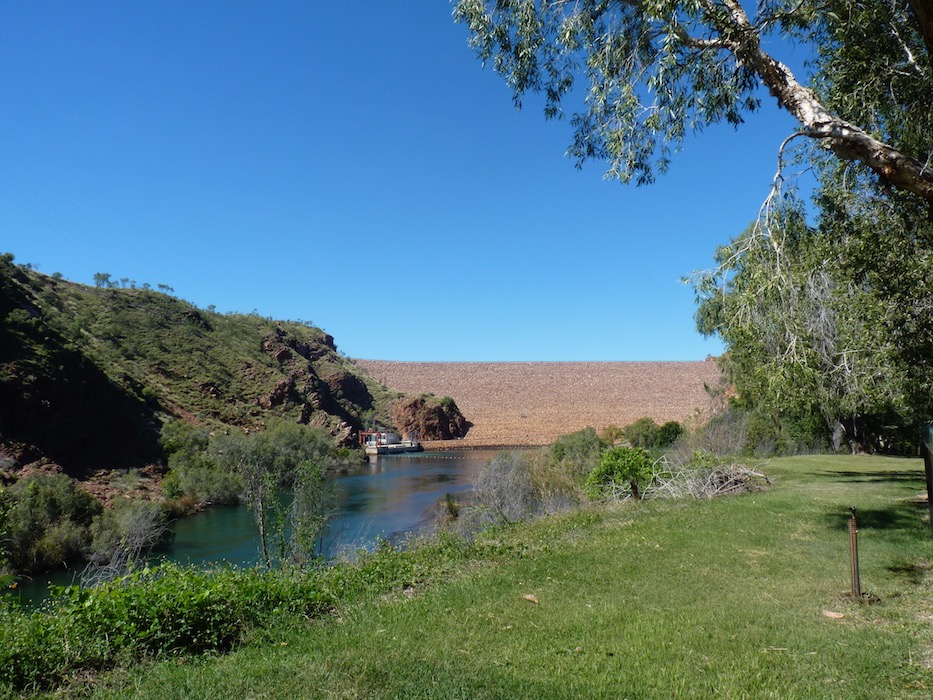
(832, 317)
(812, 333)
(655, 70)
(839, 314)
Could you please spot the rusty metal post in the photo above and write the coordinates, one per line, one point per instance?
(853, 556)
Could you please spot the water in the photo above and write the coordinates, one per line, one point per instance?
(384, 499)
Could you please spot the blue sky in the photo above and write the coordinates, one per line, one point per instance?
(352, 165)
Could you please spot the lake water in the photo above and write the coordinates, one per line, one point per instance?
(386, 498)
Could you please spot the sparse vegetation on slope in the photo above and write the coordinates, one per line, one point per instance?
(88, 373)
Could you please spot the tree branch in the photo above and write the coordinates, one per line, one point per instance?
(843, 138)
(923, 13)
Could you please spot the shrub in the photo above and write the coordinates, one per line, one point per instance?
(555, 487)
(505, 490)
(578, 452)
(183, 442)
(192, 471)
(642, 433)
(207, 484)
(669, 433)
(171, 610)
(611, 434)
(722, 435)
(621, 471)
(47, 522)
(5, 504)
(284, 455)
(120, 536)
(160, 611)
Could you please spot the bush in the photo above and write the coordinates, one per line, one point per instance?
(622, 471)
(170, 610)
(192, 472)
(5, 504)
(206, 484)
(161, 611)
(556, 488)
(285, 455)
(741, 431)
(47, 522)
(121, 536)
(578, 452)
(642, 433)
(669, 433)
(722, 435)
(505, 490)
(611, 434)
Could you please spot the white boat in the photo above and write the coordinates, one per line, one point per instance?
(376, 442)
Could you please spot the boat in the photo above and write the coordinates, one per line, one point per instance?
(386, 442)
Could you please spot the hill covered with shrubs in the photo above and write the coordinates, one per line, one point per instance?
(88, 375)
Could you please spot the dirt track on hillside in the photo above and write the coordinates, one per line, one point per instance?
(532, 403)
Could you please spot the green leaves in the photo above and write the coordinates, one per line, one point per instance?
(646, 85)
(47, 522)
(170, 610)
(812, 317)
(159, 611)
(621, 469)
(284, 455)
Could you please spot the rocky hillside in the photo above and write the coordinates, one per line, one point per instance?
(88, 375)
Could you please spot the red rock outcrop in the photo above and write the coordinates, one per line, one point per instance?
(429, 419)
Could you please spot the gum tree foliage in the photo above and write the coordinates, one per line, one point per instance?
(833, 319)
(810, 331)
(836, 319)
(654, 70)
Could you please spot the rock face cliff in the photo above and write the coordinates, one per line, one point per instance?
(429, 418)
(88, 375)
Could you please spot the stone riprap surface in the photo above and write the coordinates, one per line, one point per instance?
(532, 403)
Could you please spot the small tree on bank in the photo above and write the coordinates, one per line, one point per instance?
(620, 469)
(285, 456)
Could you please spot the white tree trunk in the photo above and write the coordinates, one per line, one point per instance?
(846, 140)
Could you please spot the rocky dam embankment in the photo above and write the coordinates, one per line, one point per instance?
(532, 403)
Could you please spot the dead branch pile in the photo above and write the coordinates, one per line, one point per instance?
(672, 480)
(139, 530)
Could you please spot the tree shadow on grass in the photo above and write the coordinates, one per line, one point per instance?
(902, 515)
(914, 572)
(875, 476)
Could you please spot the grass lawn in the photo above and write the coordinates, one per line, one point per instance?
(724, 598)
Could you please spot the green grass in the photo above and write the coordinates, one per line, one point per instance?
(720, 598)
